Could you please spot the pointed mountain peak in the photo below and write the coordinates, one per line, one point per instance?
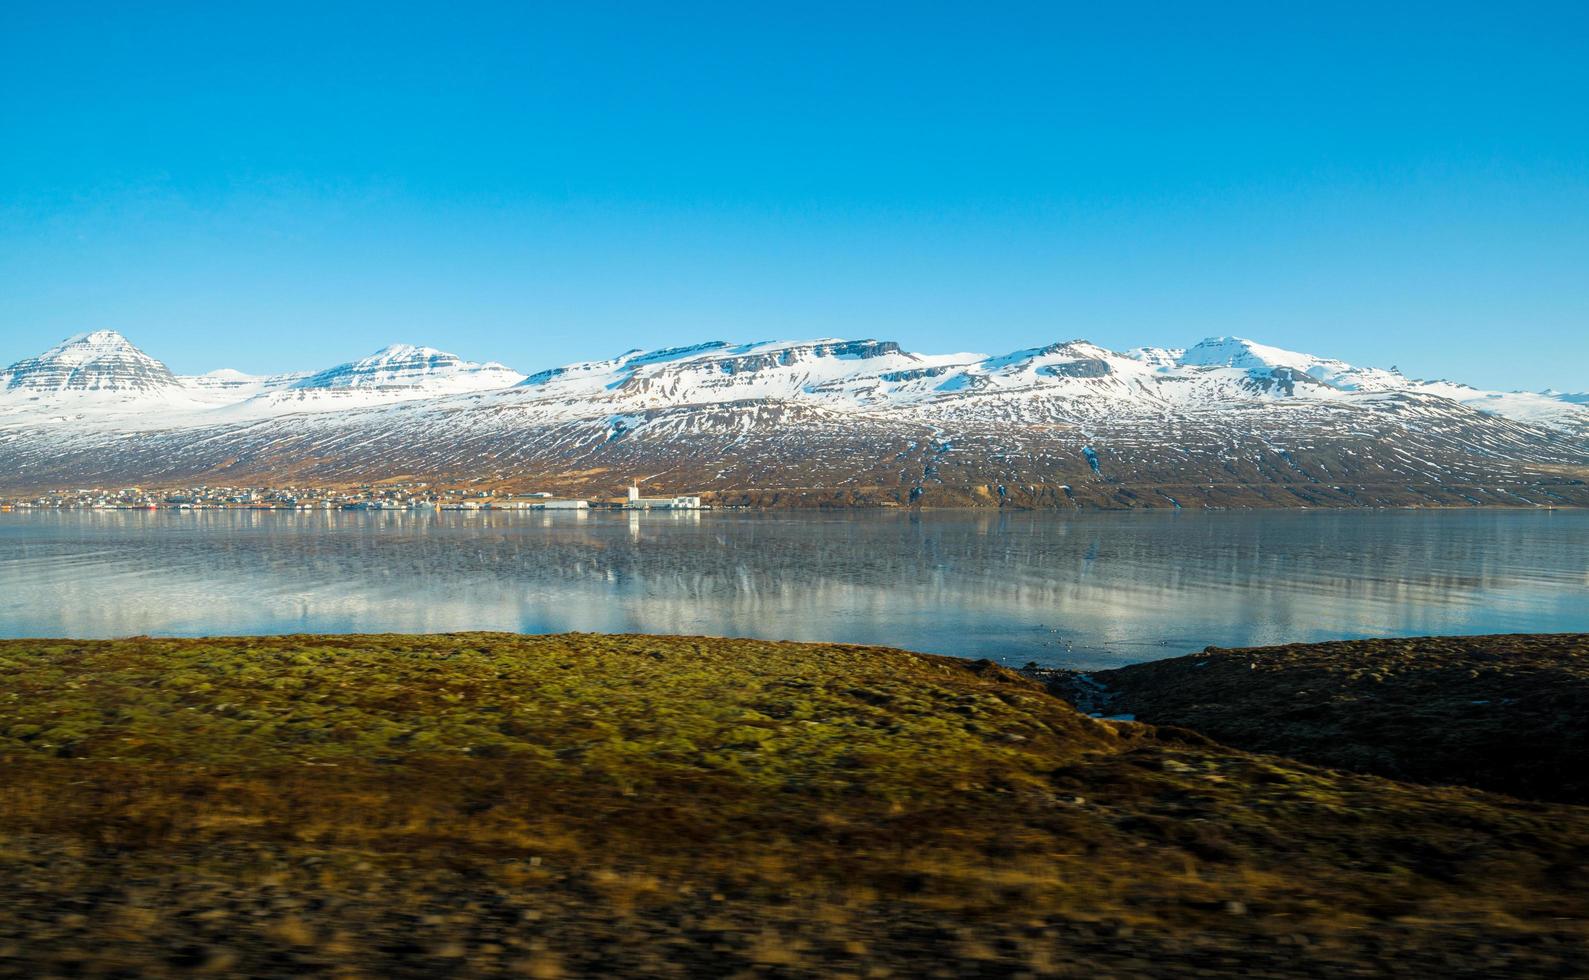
(100, 360)
(97, 338)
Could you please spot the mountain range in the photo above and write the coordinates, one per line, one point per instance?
(1225, 422)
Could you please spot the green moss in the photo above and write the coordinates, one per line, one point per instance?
(923, 808)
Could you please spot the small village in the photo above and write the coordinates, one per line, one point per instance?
(398, 496)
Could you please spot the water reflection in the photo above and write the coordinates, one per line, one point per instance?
(1073, 589)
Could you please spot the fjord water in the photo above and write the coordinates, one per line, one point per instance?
(1061, 589)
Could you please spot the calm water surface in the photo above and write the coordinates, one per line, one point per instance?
(1089, 589)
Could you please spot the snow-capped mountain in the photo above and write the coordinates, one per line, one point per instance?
(1263, 363)
(1075, 379)
(134, 388)
(99, 361)
(1222, 422)
(407, 367)
(399, 372)
(843, 373)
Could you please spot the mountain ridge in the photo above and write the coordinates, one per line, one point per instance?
(398, 365)
(429, 371)
(829, 419)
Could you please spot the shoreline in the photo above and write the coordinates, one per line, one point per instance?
(1509, 490)
(829, 508)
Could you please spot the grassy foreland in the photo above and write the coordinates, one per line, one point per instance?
(596, 805)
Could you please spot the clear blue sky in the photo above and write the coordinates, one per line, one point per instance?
(275, 186)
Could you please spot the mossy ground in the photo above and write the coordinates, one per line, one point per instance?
(602, 805)
(1506, 713)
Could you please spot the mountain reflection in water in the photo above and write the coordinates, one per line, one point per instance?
(1060, 589)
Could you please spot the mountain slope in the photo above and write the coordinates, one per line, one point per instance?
(1227, 422)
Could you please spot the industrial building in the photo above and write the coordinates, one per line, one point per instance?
(637, 502)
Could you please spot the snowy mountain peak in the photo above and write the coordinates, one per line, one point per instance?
(1227, 422)
(227, 375)
(1264, 364)
(774, 355)
(1065, 349)
(1243, 353)
(1065, 382)
(102, 360)
(406, 352)
(637, 357)
(95, 338)
(409, 366)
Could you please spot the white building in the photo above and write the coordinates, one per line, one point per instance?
(637, 502)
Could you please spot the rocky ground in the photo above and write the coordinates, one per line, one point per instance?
(484, 804)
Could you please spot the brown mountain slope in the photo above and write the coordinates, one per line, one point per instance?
(793, 455)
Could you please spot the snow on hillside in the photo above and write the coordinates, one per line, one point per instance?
(400, 372)
(1262, 361)
(849, 373)
(406, 366)
(99, 361)
(1551, 410)
(100, 380)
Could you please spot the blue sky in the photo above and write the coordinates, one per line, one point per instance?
(280, 186)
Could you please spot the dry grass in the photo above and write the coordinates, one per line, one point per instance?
(593, 805)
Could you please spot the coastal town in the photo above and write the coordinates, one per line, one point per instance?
(395, 496)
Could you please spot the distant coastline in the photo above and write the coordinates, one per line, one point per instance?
(1564, 492)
